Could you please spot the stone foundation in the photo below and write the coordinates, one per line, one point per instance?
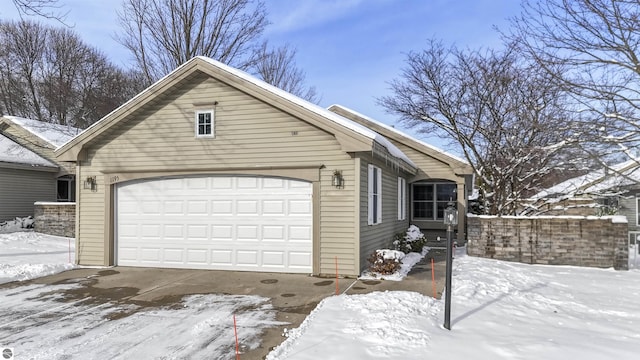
(554, 240)
(53, 218)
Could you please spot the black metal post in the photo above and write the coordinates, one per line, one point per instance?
(447, 296)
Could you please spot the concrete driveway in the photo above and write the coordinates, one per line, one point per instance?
(292, 296)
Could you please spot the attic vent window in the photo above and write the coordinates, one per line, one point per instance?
(204, 123)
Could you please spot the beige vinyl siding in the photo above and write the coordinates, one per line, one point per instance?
(249, 134)
(428, 167)
(379, 236)
(19, 189)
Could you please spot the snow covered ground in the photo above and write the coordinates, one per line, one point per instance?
(500, 310)
(26, 255)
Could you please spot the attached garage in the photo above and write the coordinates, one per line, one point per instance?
(211, 168)
(215, 222)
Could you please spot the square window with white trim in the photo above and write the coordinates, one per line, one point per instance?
(204, 123)
(375, 195)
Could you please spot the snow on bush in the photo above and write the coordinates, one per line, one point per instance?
(385, 261)
(412, 240)
(17, 224)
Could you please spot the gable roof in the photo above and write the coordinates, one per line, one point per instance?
(352, 136)
(13, 154)
(459, 165)
(623, 174)
(52, 134)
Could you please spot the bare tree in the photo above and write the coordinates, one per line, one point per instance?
(161, 35)
(278, 68)
(597, 42)
(505, 115)
(50, 9)
(50, 75)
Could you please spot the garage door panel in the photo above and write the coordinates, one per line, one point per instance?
(174, 256)
(235, 223)
(247, 207)
(247, 258)
(197, 256)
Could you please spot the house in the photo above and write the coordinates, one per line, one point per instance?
(29, 170)
(212, 168)
(610, 191)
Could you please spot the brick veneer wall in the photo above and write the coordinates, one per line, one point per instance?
(55, 218)
(556, 240)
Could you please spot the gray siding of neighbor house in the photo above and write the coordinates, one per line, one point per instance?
(380, 236)
(159, 140)
(627, 207)
(19, 189)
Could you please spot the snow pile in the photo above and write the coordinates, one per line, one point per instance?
(500, 310)
(17, 224)
(29, 255)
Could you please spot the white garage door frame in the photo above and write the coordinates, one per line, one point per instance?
(219, 222)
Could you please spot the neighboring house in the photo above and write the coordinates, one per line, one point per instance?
(614, 191)
(441, 178)
(29, 170)
(212, 168)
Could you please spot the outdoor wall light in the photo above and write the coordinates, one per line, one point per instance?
(337, 180)
(90, 183)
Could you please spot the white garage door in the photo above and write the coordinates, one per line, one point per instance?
(224, 223)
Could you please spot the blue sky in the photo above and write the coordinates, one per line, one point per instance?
(349, 49)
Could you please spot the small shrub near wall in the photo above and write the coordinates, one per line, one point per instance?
(555, 240)
(53, 218)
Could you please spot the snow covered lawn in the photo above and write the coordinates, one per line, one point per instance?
(26, 255)
(500, 310)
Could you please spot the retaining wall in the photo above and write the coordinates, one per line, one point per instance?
(555, 240)
(55, 218)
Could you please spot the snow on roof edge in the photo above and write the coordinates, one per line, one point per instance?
(14, 153)
(401, 133)
(23, 123)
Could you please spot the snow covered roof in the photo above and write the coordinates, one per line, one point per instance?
(598, 181)
(398, 133)
(247, 78)
(12, 152)
(54, 134)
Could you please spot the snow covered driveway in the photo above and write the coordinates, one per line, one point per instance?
(39, 323)
(71, 318)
